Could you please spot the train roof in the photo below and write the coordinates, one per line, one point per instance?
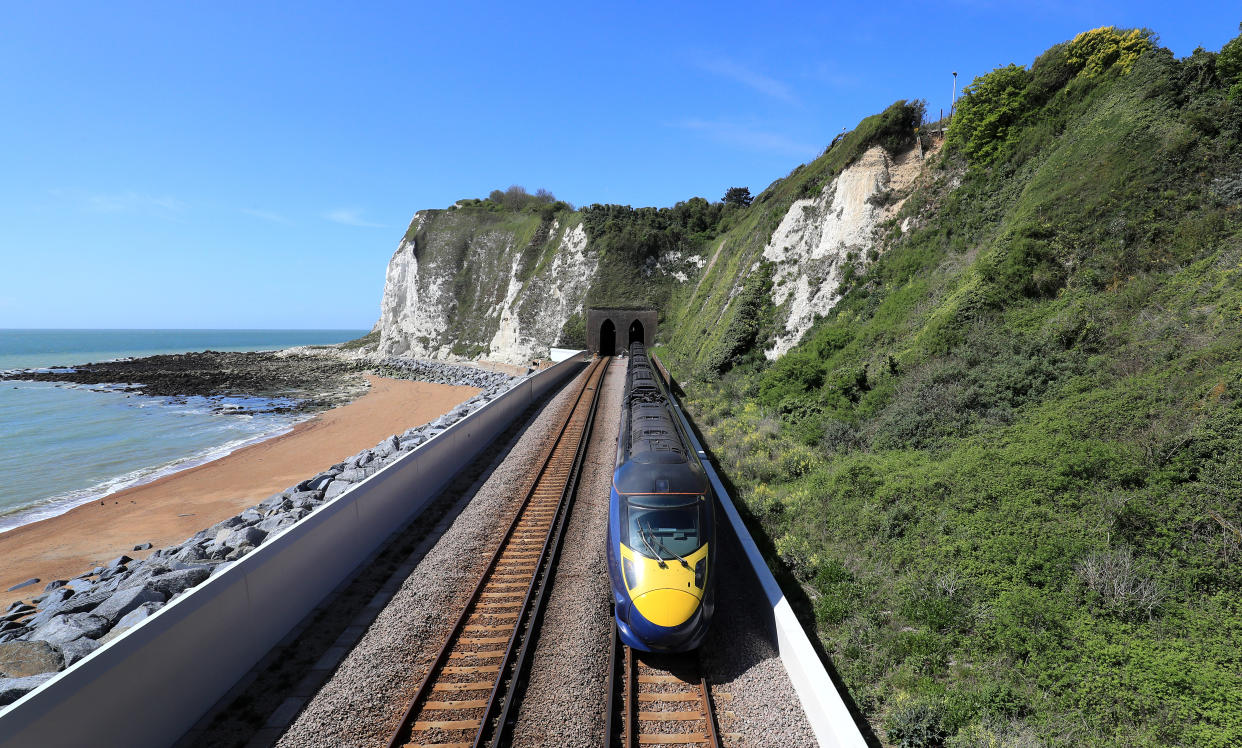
(656, 459)
(677, 480)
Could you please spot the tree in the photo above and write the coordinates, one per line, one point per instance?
(738, 196)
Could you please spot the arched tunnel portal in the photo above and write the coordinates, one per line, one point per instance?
(604, 329)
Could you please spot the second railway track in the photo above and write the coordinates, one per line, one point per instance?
(464, 699)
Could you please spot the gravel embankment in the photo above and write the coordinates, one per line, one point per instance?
(755, 702)
(365, 698)
(564, 700)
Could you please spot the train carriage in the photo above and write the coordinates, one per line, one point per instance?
(661, 522)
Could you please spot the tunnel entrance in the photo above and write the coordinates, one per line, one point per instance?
(636, 333)
(607, 338)
(608, 329)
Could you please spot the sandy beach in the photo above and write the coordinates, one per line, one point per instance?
(170, 509)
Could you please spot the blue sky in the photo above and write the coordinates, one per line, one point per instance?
(254, 165)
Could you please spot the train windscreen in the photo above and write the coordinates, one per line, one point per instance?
(664, 532)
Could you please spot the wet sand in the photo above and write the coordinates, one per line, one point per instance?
(171, 509)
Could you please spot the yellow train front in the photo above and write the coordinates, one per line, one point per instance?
(661, 523)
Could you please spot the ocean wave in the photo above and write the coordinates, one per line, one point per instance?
(59, 504)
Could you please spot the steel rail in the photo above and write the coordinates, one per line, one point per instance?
(663, 700)
(514, 552)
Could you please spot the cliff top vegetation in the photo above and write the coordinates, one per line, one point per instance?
(1003, 476)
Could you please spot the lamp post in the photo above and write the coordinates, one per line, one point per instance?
(953, 100)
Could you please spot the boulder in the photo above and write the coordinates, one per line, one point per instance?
(19, 659)
(66, 628)
(137, 616)
(251, 536)
(55, 584)
(77, 649)
(79, 586)
(352, 475)
(228, 524)
(177, 581)
(319, 482)
(118, 562)
(56, 596)
(273, 501)
(27, 583)
(336, 488)
(12, 689)
(126, 600)
(77, 604)
(142, 547)
(275, 523)
(190, 553)
(387, 447)
(251, 515)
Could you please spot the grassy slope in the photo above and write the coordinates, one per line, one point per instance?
(1006, 468)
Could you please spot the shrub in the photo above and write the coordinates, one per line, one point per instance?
(987, 115)
(1095, 51)
(915, 723)
(1118, 585)
(1229, 66)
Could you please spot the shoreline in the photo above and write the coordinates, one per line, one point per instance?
(54, 506)
(168, 509)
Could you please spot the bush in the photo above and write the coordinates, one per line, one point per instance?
(915, 723)
(1094, 52)
(987, 115)
(1118, 585)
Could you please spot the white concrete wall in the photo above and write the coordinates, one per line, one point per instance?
(150, 685)
(824, 707)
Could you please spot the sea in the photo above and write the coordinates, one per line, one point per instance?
(62, 445)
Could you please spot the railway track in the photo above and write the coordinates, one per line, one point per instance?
(658, 700)
(465, 698)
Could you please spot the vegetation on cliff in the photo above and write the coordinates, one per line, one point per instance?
(1006, 470)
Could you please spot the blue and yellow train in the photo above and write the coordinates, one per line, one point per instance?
(661, 522)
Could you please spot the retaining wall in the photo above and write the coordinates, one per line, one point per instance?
(150, 685)
(825, 709)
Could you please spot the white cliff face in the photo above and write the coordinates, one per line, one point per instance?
(820, 237)
(473, 290)
(551, 298)
(411, 315)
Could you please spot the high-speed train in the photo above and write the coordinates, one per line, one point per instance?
(661, 522)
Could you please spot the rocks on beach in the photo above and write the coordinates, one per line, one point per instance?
(72, 618)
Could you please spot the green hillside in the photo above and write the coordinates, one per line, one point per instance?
(1006, 469)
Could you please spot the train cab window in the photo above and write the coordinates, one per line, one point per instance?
(664, 532)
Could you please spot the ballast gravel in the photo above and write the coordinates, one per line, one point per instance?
(564, 700)
(364, 700)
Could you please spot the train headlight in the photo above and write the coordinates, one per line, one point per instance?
(700, 572)
(631, 573)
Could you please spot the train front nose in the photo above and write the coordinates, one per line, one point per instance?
(666, 607)
(679, 624)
